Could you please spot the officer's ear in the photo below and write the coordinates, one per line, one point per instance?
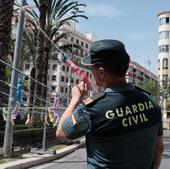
(101, 72)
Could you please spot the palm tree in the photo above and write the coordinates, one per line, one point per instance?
(52, 16)
(6, 11)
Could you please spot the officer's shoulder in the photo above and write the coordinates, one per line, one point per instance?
(93, 99)
(142, 90)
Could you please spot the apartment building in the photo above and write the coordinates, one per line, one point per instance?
(60, 76)
(164, 47)
(164, 61)
(138, 75)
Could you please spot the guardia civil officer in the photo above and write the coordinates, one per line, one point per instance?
(122, 124)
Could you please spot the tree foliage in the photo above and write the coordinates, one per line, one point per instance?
(152, 87)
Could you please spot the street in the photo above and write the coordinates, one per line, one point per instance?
(165, 164)
(77, 159)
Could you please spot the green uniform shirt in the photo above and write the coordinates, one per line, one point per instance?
(121, 126)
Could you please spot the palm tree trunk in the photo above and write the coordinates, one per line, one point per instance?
(45, 68)
(6, 11)
(40, 51)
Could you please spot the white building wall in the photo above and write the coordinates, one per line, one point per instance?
(163, 45)
(65, 79)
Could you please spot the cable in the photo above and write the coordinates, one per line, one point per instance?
(20, 72)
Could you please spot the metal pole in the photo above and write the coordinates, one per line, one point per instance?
(149, 63)
(44, 130)
(8, 138)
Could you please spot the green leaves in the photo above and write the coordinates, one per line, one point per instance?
(151, 87)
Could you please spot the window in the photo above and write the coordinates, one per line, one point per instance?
(66, 79)
(53, 87)
(66, 90)
(77, 41)
(54, 66)
(164, 48)
(164, 35)
(53, 77)
(61, 89)
(167, 20)
(82, 44)
(158, 64)
(63, 68)
(67, 69)
(165, 78)
(72, 39)
(134, 70)
(62, 78)
(27, 66)
(164, 20)
(165, 63)
(87, 46)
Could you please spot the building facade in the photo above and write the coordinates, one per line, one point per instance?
(164, 47)
(60, 76)
(138, 75)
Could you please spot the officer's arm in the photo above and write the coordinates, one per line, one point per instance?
(68, 112)
(158, 152)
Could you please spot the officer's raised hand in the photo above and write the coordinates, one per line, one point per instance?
(79, 91)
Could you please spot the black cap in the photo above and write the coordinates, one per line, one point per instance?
(107, 52)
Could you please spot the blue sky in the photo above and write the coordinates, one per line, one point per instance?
(134, 22)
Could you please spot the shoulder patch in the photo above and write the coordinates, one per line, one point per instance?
(87, 101)
(93, 98)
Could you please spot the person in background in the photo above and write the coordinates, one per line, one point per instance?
(122, 124)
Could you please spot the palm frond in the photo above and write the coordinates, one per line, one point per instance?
(69, 7)
(37, 4)
(59, 37)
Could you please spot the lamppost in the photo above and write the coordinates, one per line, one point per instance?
(149, 64)
(8, 137)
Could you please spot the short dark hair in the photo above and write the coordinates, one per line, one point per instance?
(115, 70)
